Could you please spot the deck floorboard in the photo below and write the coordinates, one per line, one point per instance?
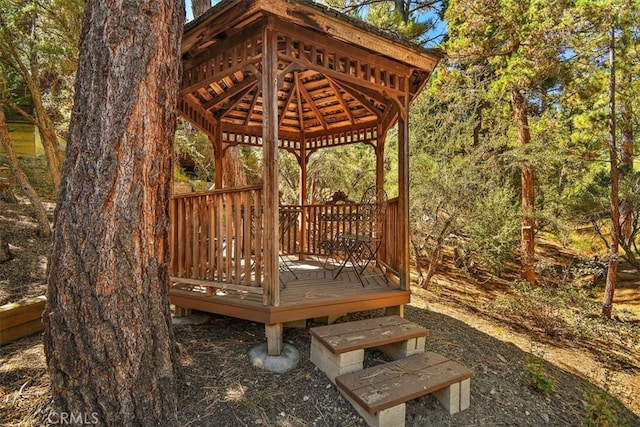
(313, 288)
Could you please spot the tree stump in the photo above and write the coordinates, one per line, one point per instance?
(5, 255)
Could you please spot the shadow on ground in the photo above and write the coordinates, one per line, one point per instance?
(218, 386)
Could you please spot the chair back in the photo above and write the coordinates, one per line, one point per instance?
(372, 212)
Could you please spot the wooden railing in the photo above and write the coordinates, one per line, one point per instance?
(213, 239)
(390, 252)
(217, 236)
(322, 222)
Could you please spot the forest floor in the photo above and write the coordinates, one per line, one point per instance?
(541, 355)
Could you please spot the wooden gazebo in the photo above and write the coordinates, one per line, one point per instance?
(294, 76)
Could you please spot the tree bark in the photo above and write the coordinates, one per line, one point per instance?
(607, 302)
(527, 245)
(233, 173)
(108, 336)
(626, 161)
(40, 214)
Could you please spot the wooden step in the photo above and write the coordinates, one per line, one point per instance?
(379, 393)
(339, 349)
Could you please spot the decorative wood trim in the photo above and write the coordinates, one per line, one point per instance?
(326, 71)
(196, 116)
(329, 46)
(197, 78)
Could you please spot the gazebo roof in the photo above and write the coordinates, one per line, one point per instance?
(339, 80)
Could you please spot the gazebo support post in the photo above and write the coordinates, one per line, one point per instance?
(217, 156)
(302, 160)
(403, 193)
(269, 82)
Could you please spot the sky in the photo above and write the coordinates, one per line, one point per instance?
(187, 6)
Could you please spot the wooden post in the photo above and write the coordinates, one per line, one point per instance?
(217, 156)
(380, 157)
(379, 148)
(269, 81)
(303, 198)
(274, 339)
(403, 194)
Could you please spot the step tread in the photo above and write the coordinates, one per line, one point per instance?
(387, 385)
(344, 337)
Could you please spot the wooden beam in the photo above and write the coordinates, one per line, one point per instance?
(331, 44)
(239, 87)
(296, 81)
(235, 101)
(287, 102)
(270, 171)
(311, 103)
(274, 339)
(341, 100)
(294, 66)
(403, 196)
(234, 12)
(253, 104)
(358, 93)
(257, 131)
(389, 118)
(302, 191)
(339, 75)
(223, 44)
(204, 82)
(217, 157)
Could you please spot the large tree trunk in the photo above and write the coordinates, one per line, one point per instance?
(626, 161)
(39, 211)
(627, 139)
(108, 336)
(607, 302)
(233, 173)
(527, 246)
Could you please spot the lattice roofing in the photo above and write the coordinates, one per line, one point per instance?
(339, 80)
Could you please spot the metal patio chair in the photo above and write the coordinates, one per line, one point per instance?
(361, 244)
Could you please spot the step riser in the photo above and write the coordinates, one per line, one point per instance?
(335, 364)
(391, 417)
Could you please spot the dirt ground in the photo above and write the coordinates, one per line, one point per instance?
(219, 387)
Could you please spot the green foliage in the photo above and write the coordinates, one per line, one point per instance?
(494, 232)
(39, 49)
(539, 379)
(602, 410)
(350, 169)
(193, 151)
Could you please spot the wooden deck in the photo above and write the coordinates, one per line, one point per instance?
(313, 294)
